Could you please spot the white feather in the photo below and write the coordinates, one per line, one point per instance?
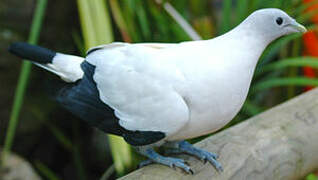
(68, 67)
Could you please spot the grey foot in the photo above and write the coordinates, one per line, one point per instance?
(168, 161)
(185, 147)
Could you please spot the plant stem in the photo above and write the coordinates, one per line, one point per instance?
(45, 171)
(226, 16)
(181, 21)
(108, 173)
(23, 78)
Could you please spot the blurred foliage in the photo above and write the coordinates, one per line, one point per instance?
(45, 171)
(278, 76)
(97, 30)
(23, 78)
(312, 177)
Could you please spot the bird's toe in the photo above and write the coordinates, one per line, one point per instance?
(215, 163)
(180, 163)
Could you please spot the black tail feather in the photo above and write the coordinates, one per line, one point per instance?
(32, 52)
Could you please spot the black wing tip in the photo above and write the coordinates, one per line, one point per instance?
(14, 47)
(32, 52)
(141, 138)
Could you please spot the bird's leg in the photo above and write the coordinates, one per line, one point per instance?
(185, 147)
(157, 158)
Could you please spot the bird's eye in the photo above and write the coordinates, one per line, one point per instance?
(279, 21)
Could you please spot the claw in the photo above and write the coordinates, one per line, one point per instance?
(183, 147)
(189, 171)
(205, 160)
(168, 161)
(205, 156)
(173, 166)
(216, 156)
(215, 163)
(219, 168)
(187, 163)
(174, 163)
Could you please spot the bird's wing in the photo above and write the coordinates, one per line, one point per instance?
(138, 89)
(121, 44)
(106, 46)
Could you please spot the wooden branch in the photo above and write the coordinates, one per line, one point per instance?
(281, 143)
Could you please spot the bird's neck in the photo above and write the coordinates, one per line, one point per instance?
(247, 39)
(244, 47)
(243, 52)
(249, 33)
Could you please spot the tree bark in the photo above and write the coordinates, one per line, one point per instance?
(281, 143)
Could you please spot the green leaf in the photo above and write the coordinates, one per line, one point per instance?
(79, 42)
(275, 47)
(300, 8)
(306, 16)
(110, 170)
(241, 11)
(45, 171)
(143, 21)
(226, 16)
(290, 62)
(119, 20)
(251, 109)
(128, 9)
(311, 177)
(277, 82)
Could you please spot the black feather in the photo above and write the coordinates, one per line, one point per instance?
(82, 99)
(32, 52)
(93, 50)
(141, 138)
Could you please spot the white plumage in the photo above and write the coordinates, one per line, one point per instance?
(184, 90)
(67, 67)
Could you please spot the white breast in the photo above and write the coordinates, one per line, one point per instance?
(217, 90)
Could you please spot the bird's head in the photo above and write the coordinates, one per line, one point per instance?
(272, 23)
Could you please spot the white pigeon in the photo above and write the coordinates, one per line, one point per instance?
(162, 94)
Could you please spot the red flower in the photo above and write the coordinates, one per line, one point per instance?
(311, 43)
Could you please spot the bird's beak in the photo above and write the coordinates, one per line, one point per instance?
(297, 27)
